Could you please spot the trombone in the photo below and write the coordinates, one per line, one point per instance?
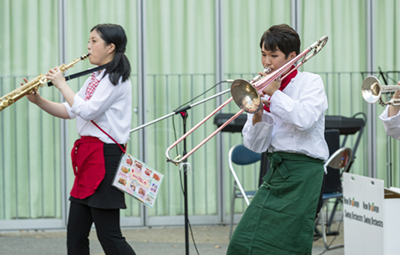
(246, 96)
(372, 91)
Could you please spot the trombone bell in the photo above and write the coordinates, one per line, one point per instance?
(246, 96)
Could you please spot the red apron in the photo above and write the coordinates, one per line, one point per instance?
(88, 164)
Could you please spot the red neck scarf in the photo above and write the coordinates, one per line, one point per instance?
(284, 83)
(91, 88)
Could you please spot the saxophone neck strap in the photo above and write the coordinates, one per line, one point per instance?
(76, 75)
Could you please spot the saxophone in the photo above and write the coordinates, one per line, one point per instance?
(34, 84)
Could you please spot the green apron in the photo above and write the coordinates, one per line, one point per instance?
(280, 217)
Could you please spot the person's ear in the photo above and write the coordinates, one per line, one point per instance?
(111, 48)
(292, 55)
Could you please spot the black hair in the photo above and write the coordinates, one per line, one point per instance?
(119, 66)
(281, 37)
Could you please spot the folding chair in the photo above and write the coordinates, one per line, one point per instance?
(341, 160)
(348, 126)
(241, 156)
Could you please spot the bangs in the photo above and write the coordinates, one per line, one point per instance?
(270, 44)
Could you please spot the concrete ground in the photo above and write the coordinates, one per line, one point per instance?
(210, 240)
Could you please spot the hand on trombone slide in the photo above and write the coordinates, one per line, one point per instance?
(272, 87)
(266, 93)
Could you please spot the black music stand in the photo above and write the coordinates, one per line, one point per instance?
(235, 126)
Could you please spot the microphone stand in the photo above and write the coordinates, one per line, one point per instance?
(185, 115)
(389, 143)
(179, 110)
(183, 112)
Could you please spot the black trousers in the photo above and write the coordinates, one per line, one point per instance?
(107, 223)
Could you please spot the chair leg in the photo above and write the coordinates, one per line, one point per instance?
(232, 210)
(331, 218)
(322, 214)
(322, 217)
(317, 233)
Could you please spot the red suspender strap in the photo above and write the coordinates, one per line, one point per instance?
(122, 149)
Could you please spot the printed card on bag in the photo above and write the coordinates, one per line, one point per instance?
(138, 180)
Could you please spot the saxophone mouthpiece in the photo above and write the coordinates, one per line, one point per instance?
(83, 57)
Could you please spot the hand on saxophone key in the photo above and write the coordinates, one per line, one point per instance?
(55, 75)
(32, 96)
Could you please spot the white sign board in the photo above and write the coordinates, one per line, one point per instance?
(367, 226)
